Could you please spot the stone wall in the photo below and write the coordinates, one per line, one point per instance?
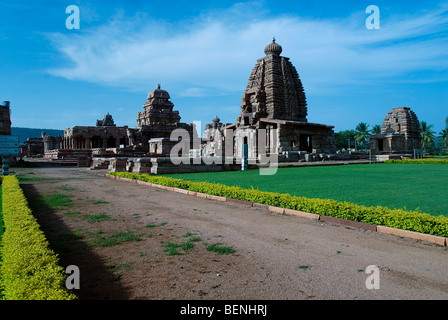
(163, 165)
(68, 154)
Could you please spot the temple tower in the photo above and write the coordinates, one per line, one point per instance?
(158, 110)
(274, 90)
(400, 132)
(157, 121)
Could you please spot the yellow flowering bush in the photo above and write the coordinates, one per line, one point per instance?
(29, 269)
(429, 161)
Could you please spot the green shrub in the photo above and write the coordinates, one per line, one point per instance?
(424, 161)
(396, 218)
(29, 269)
(1, 218)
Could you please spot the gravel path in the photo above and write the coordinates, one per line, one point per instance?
(276, 256)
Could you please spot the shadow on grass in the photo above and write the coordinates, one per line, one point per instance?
(97, 281)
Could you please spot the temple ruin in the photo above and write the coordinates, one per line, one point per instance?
(104, 135)
(275, 101)
(400, 133)
(156, 123)
(51, 142)
(79, 142)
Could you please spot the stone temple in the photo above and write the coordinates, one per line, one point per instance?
(400, 133)
(155, 124)
(275, 100)
(272, 121)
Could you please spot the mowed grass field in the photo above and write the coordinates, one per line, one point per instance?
(422, 187)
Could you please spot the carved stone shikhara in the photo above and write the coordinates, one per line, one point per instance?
(274, 105)
(274, 90)
(156, 123)
(150, 138)
(400, 132)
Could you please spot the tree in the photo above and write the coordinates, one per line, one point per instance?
(427, 134)
(444, 134)
(362, 133)
(343, 138)
(376, 129)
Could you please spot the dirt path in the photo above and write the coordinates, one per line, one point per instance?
(276, 256)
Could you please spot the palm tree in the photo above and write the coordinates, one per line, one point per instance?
(362, 133)
(376, 129)
(427, 134)
(444, 134)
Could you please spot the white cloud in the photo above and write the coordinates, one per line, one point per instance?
(216, 53)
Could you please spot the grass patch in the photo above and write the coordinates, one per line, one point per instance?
(23, 178)
(219, 248)
(192, 237)
(118, 269)
(59, 200)
(304, 267)
(53, 201)
(100, 201)
(114, 239)
(66, 188)
(173, 249)
(151, 225)
(98, 217)
(71, 213)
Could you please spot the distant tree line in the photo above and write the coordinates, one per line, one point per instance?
(359, 138)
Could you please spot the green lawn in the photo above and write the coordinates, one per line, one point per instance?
(405, 186)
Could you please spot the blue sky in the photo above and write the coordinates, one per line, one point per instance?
(202, 53)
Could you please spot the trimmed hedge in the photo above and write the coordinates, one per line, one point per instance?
(396, 218)
(29, 269)
(423, 161)
(1, 218)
